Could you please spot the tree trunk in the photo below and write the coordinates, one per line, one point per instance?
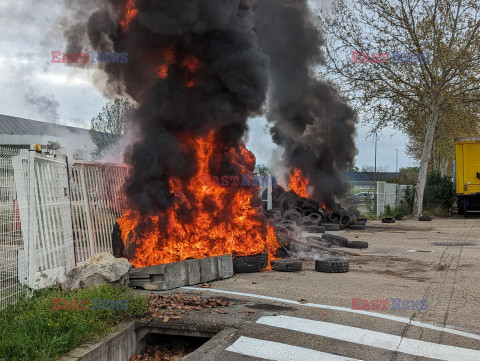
(426, 154)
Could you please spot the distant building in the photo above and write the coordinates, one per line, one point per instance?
(369, 176)
(21, 133)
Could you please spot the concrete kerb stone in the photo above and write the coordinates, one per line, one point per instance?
(225, 266)
(184, 273)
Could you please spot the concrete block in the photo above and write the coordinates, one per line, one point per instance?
(225, 266)
(208, 269)
(175, 275)
(185, 273)
(193, 271)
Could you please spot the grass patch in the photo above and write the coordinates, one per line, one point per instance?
(30, 330)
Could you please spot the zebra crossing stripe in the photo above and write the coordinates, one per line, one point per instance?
(276, 351)
(405, 320)
(372, 338)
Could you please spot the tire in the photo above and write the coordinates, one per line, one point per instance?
(334, 217)
(354, 211)
(315, 229)
(388, 220)
(118, 248)
(347, 220)
(359, 223)
(286, 265)
(332, 265)
(331, 226)
(424, 218)
(355, 227)
(318, 241)
(335, 240)
(292, 215)
(361, 219)
(250, 264)
(305, 221)
(357, 244)
(315, 217)
(307, 211)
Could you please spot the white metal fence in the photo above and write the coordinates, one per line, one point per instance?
(53, 216)
(389, 194)
(11, 241)
(41, 183)
(97, 202)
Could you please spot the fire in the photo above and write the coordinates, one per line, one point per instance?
(130, 13)
(162, 71)
(298, 182)
(206, 219)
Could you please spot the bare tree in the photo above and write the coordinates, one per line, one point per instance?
(110, 124)
(395, 56)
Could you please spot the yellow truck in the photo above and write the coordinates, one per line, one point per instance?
(467, 174)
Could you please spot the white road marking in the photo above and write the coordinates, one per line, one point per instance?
(276, 351)
(405, 320)
(372, 338)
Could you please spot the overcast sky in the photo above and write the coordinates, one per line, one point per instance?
(32, 87)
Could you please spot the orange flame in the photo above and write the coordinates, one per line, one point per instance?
(206, 219)
(298, 182)
(130, 12)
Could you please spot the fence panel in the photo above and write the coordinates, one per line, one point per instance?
(380, 198)
(12, 252)
(97, 203)
(391, 195)
(41, 182)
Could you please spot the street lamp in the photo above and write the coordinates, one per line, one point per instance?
(396, 162)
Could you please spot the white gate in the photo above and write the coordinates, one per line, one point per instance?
(41, 183)
(97, 203)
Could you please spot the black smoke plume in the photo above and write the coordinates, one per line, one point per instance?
(309, 120)
(227, 85)
(230, 82)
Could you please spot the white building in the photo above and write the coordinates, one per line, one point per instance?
(21, 133)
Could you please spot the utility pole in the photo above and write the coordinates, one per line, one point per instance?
(376, 152)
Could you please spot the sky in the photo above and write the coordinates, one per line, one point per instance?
(32, 87)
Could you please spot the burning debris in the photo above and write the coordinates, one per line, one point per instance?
(198, 70)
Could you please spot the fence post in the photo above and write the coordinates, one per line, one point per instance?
(88, 212)
(32, 227)
(269, 192)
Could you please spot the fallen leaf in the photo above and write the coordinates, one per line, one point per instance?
(303, 301)
(166, 319)
(254, 283)
(206, 285)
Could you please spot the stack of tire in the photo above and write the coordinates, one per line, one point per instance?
(290, 208)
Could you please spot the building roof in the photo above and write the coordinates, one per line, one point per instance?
(21, 126)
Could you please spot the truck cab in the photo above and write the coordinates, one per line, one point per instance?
(467, 174)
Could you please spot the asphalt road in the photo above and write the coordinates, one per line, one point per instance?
(432, 266)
